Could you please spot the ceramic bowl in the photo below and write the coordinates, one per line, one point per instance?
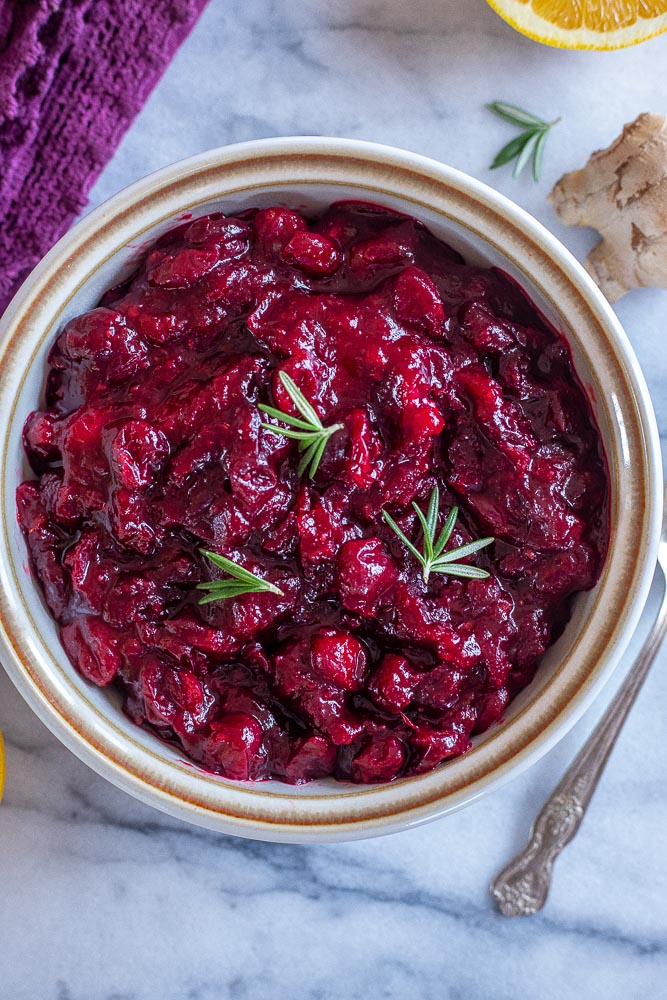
(309, 174)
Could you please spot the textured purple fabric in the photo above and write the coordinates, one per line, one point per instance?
(73, 76)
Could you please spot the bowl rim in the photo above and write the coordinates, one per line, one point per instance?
(374, 810)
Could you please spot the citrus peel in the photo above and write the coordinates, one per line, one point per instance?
(585, 24)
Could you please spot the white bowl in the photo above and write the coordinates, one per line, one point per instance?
(487, 228)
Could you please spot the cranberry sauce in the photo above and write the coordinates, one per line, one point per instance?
(151, 448)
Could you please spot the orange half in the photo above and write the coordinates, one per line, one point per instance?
(585, 24)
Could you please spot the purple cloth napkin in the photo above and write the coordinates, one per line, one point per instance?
(73, 76)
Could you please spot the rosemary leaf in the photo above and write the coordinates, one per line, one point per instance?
(464, 550)
(538, 156)
(432, 559)
(300, 401)
(428, 536)
(241, 581)
(397, 531)
(433, 511)
(513, 114)
(446, 532)
(310, 432)
(526, 152)
(528, 144)
(458, 569)
(513, 148)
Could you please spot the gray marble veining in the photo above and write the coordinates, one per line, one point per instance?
(102, 898)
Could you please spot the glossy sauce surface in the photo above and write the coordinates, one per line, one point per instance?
(151, 448)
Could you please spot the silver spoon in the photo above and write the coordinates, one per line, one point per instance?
(522, 886)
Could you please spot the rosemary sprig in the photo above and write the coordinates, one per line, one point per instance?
(310, 432)
(433, 559)
(529, 143)
(241, 581)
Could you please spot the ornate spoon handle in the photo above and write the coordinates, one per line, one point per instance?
(522, 887)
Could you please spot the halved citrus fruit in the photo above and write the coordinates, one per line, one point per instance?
(585, 24)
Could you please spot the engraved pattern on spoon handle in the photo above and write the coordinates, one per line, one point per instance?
(521, 888)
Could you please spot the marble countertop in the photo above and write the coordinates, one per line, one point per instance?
(103, 898)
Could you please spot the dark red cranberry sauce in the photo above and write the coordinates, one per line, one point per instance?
(151, 447)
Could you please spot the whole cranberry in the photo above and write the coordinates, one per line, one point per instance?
(136, 454)
(417, 300)
(321, 528)
(91, 571)
(182, 269)
(312, 757)
(392, 684)
(92, 647)
(185, 631)
(370, 255)
(274, 227)
(380, 760)
(484, 330)
(103, 338)
(157, 323)
(440, 687)
(130, 517)
(326, 707)
(438, 744)
(40, 437)
(174, 697)
(339, 657)
(234, 745)
(135, 598)
(232, 235)
(366, 573)
(316, 255)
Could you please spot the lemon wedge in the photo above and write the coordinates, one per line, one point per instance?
(585, 24)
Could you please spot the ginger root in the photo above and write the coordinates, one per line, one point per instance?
(622, 192)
